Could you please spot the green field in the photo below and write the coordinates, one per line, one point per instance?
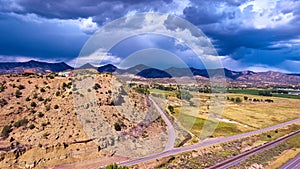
(198, 125)
(256, 92)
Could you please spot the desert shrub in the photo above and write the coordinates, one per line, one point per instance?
(11, 139)
(40, 99)
(22, 122)
(5, 131)
(20, 87)
(57, 93)
(3, 102)
(97, 86)
(32, 111)
(47, 108)
(64, 85)
(33, 104)
(18, 94)
(35, 95)
(28, 99)
(40, 115)
(42, 90)
(117, 127)
(45, 135)
(44, 124)
(31, 126)
(56, 106)
(65, 145)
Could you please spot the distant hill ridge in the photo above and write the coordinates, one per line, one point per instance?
(149, 72)
(35, 66)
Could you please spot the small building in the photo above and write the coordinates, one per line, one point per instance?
(65, 74)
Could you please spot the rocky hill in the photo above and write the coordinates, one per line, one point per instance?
(47, 120)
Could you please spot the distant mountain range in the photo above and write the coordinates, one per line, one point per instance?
(34, 66)
(149, 72)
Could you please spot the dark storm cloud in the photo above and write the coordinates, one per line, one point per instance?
(101, 11)
(40, 40)
(233, 31)
(214, 20)
(208, 12)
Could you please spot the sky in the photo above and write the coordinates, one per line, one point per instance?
(257, 35)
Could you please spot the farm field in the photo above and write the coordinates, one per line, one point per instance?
(236, 118)
(256, 92)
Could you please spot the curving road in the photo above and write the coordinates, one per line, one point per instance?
(292, 164)
(205, 143)
(171, 130)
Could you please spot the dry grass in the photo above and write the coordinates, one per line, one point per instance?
(261, 114)
(283, 158)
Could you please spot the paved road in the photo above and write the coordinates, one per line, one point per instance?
(243, 156)
(171, 130)
(205, 143)
(292, 164)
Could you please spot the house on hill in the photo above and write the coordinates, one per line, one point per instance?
(65, 74)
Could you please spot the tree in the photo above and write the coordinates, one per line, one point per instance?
(184, 95)
(115, 166)
(238, 100)
(246, 97)
(171, 109)
(269, 101)
(264, 93)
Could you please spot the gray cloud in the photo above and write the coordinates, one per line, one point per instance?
(101, 11)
